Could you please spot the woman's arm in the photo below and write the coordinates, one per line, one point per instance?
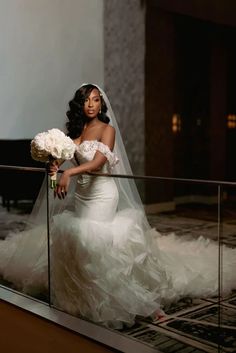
(108, 138)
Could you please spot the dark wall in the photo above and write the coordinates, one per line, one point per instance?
(18, 185)
(189, 70)
(214, 11)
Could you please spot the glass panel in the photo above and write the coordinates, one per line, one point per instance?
(186, 213)
(159, 272)
(23, 246)
(116, 266)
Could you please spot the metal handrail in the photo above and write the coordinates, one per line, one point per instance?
(127, 176)
(21, 168)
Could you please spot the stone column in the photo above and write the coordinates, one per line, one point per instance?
(124, 42)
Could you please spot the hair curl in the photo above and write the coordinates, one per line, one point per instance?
(75, 114)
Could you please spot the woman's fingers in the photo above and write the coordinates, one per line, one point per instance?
(60, 191)
(52, 168)
(62, 186)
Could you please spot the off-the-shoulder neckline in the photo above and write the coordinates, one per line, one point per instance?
(99, 142)
(79, 144)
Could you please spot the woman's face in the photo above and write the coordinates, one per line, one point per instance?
(92, 104)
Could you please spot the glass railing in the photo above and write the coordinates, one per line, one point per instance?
(22, 256)
(177, 248)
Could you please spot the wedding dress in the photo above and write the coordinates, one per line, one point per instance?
(106, 263)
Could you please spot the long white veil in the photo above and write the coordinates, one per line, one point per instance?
(128, 194)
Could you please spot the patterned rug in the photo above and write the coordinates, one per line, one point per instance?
(192, 326)
(189, 325)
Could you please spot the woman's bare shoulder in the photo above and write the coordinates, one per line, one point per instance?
(108, 136)
(108, 129)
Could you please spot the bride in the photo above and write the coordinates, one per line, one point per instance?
(106, 263)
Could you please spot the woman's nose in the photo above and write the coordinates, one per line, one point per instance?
(90, 103)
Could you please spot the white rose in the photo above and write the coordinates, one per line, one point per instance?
(53, 142)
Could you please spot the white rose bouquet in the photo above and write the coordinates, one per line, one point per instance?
(52, 145)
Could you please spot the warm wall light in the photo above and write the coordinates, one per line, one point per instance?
(231, 121)
(176, 123)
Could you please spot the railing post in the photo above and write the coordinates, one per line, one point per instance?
(220, 266)
(48, 242)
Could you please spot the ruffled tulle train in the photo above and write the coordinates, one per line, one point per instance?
(111, 272)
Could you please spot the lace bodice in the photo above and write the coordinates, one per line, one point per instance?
(86, 150)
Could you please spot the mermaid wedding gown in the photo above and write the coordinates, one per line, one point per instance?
(108, 265)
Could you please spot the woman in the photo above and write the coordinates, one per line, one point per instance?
(105, 232)
(107, 265)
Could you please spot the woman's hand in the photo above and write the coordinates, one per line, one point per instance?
(52, 167)
(63, 185)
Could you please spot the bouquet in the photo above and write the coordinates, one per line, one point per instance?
(52, 145)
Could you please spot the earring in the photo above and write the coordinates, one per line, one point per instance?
(100, 111)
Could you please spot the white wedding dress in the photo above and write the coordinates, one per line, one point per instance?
(107, 265)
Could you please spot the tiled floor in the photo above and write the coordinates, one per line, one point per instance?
(190, 325)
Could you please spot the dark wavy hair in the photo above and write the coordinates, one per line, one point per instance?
(75, 114)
